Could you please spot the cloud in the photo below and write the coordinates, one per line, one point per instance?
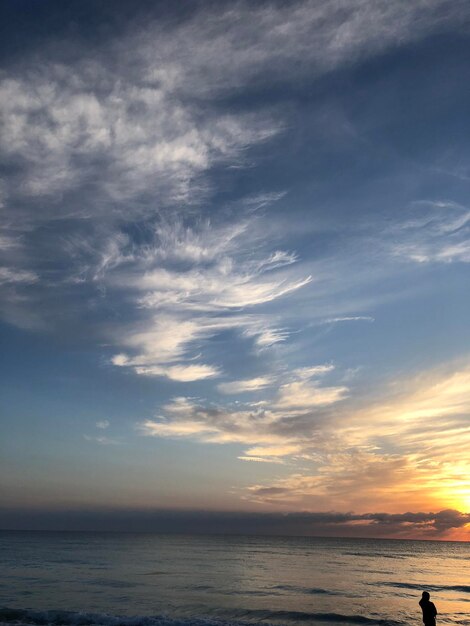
(307, 373)
(261, 459)
(302, 395)
(409, 447)
(441, 520)
(111, 159)
(8, 275)
(59, 123)
(242, 386)
(236, 45)
(102, 440)
(131, 131)
(182, 308)
(441, 524)
(103, 424)
(438, 232)
(349, 318)
(185, 417)
(273, 429)
(182, 373)
(273, 451)
(264, 335)
(97, 145)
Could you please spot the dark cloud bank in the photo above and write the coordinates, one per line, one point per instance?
(328, 524)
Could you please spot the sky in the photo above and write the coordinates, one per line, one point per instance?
(234, 266)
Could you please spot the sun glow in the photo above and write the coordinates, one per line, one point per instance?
(450, 487)
(460, 500)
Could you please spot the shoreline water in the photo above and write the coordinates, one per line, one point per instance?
(116, 579)
(227, 536)
(71, 618)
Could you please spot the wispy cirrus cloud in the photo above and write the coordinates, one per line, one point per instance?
(102, 440)
(102, 141)
(11, 276)
(182, 373)
(350, 318)
(242, 386)
(439, 232)
(219, 290)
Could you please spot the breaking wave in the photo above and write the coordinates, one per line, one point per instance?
(464, 588)
(26, 617)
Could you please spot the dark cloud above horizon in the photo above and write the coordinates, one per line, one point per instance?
(329, 524)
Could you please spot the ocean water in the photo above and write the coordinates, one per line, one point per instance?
(75, 579)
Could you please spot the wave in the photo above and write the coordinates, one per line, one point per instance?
(300, 616)
(374, 555)
(108, 582)
(464, 588)
(27, 617)
(309, 590)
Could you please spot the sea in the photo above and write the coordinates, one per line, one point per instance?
(116, 579)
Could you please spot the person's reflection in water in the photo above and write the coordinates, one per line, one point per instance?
(429, 610)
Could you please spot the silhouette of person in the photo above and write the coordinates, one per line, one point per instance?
(429, 610)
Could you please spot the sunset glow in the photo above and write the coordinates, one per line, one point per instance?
(234, 267)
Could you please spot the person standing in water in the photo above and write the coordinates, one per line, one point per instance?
(429, 610)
